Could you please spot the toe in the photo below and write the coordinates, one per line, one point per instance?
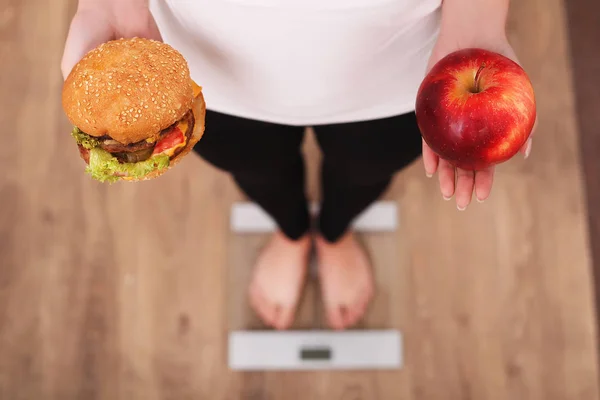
(275, 313)
(354, 315)
(335, 317)
(347, 316)
(284, 318)
(254, 298)
(359, 307)
(264, 309)
(363, 302)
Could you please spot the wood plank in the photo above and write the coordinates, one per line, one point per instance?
(584, 31)
(128, 291)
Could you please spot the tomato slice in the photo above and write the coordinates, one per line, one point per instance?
(170, 140)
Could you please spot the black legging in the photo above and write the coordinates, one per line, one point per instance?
(265, 159)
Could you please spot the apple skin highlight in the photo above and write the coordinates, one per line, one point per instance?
(476, 108)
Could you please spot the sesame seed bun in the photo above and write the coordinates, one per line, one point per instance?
(199, 109)
(128, 89)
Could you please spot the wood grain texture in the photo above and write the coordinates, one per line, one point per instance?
(584, 30)
(128, 291)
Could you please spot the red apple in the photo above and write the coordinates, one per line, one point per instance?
(476, 108)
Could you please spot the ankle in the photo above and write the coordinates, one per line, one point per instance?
(293, 241)
(324, 241)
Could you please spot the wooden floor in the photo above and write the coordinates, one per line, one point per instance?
(584, 31)
(128, 291)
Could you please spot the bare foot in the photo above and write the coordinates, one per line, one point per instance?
(346, 280)
(278, 278)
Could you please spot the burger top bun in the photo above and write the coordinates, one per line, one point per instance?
(128, 89)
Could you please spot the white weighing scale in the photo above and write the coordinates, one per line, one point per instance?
(269, 350)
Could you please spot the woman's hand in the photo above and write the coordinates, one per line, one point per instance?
(98, 21)
(481, 25)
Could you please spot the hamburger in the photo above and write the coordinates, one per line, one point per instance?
(135, 109)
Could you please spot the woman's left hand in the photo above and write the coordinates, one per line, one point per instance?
(455, 181)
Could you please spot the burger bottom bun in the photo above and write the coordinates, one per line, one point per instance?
(199, 110)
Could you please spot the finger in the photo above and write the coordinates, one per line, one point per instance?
(85, 34)
(446, 178)
(430, 160)
(526, 149)
(146, 28)
(483, 183)
(464, 188)
(535, 124)
(153, 32)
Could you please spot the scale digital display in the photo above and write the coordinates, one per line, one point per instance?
(314, 350)
(315, 354)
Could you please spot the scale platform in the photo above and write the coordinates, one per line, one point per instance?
(265, 350)
(315, 350)
(247, 217)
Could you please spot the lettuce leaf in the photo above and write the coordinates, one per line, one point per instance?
(87, 141)
(106, 168)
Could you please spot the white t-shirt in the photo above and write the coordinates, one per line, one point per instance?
(304, 62)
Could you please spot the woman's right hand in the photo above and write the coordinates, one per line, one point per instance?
(99, 21)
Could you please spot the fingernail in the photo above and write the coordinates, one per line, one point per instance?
(427, 174)
(528, 149)
(446, 197)
(479, 200)
(461, 208)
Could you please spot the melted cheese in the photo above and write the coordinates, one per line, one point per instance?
(171, 151)
(197, 89)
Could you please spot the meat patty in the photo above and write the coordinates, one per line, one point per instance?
(112, 146)
(84, 153)
(139, 151)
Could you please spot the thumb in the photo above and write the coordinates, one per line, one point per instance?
(153, 32)
(85, 34)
